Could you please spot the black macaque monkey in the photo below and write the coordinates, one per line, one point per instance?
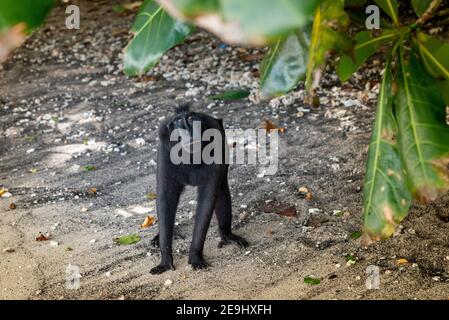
(213, 190)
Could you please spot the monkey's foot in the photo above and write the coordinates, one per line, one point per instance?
(155, 241)
(230, 237)
(198, 263)
(161, 269)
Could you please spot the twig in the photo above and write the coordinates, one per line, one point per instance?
(428, 13)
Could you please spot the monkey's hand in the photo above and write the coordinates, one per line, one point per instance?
(230, 237)
(162, 268)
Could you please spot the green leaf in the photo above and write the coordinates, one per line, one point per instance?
(435, 55)
(127, 240)
(391, 8)
(350, 257)
(444, 89)
(156, 32)
(89, 168)
(365, 46)
(266, 20)
(386, 197)
(312, 281)
(420, 6)
(30, 12)
(284, 65)
(193, 8)
(328, 35)
(423, 137)
(355, 234)
(231, 95)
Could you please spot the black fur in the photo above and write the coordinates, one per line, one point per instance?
(213, 192)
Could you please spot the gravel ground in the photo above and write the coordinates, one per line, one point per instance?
(66, 107)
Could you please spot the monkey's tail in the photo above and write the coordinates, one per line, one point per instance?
(184, 107)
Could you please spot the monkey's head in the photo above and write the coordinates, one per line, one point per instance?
(187, 127)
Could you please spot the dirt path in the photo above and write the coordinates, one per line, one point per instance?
(65, 104)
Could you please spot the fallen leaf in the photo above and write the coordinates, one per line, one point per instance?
(146, 78)
(231, 95)
(151, 196)
(250, 57)
(268, 125)
(43, 237)
(355, 235)
(303, 191)
(401, 261)
(132, 5)
(34, 170)
(3, 191)
(289, 212)
(92, 191)
(126, 240)
(148, 222)
(89, 168)
(312, 281)
(12, 206)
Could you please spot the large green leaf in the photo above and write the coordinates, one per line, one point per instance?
(328, 35)
(420, 6)
(391, 8)
(192, 8)
(423, 133)
(30, 12)
(444, 89)
(435, 55)
(158, 32)
(263, 21)
(386, 197)
(285, 64)
(365, 46)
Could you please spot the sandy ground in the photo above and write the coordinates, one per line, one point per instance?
(65, 104)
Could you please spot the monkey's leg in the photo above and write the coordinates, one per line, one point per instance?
(206, 203)
(166, 203)
(223, 211)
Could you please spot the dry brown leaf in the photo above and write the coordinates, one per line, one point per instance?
(92, 191)
(43, 237)
(132, 6)
(146, 78)
(11, 39)
(401, 261)
(250, 57)
(151, 196)
(289, 212)
(12, 206)
(149, 221)
(268, 125)
(305, 193)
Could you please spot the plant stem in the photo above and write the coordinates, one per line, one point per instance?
(427, 14)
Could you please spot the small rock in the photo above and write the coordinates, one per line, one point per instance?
(8, 250)
(140, 141)
(93, 241)
(54, 243)
(168, 283)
